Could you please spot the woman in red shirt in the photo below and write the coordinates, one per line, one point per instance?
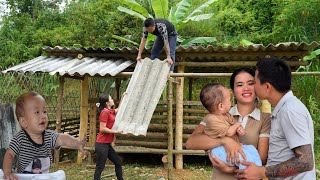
(105, 137)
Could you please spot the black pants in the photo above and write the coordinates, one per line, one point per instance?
(104, 151)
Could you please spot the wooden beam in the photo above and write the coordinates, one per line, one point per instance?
(179, 119)
(198, 75)
(93, 115)
(170, 130)
(83, 113)
(59, 120)
(234, 63)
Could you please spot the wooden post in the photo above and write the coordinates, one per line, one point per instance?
(116, 93)
(179, 119)
(265, 106)
(83, 113)
(93, 117)
(58, 120)
(170, 130)
(190, 88)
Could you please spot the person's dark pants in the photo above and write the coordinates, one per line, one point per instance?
(158, 45)
(104, 151)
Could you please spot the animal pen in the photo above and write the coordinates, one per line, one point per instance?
(177, 113)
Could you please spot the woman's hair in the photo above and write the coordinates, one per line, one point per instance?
(238, 71)
(103, 99)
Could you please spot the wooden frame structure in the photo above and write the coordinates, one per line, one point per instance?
(191, 63)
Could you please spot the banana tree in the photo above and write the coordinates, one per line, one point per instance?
(178, 15)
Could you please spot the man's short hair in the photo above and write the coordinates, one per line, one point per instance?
(211, 95)
(148, 22)
(276, 72)
(20, 102)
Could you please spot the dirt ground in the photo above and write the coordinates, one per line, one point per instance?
(137, 172)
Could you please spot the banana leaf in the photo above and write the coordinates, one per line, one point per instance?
(136, 7)
(199, 17)
(124, 39)
(200, 8)
(312, 55)
(197, 40)
(131, 12)
(181, 10)
(160, 8)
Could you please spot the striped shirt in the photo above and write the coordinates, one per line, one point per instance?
(28, 152)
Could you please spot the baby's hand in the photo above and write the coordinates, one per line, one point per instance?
(240, 131)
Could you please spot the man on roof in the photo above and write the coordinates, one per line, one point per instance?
(166, 37)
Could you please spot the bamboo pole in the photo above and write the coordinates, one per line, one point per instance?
(142, 143)
(170, 130)
(129, 149)
(93, 117)
(219, 74)
(83, 113)
(179, 119)
(59, 120)
(233, 63)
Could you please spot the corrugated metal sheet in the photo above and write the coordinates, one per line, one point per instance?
(72, 66)
(143, 93)
(288, 46)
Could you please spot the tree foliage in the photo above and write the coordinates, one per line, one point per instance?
(31, 24)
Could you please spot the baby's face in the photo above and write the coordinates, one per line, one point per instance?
(35, 114)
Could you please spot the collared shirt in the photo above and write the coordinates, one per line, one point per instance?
(291, 127)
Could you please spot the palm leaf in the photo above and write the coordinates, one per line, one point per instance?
(181, 10)
(131, 12)
(197, 40)
(200, 8)
(124, 39)
(136, 7)
(160, 8)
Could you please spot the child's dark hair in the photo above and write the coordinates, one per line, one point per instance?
(21, 101)
(103, 99)
(238, 71)
(148, 22)
(211, 95)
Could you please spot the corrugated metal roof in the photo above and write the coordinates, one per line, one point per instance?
(288, 46)
(143, 93)
(72, 66)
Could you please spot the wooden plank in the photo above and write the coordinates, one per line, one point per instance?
(58, 120)
(83, 113)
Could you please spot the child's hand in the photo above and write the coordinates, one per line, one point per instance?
(10, 176)
(240, 131)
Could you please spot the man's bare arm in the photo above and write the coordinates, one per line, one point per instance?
(302, 162)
